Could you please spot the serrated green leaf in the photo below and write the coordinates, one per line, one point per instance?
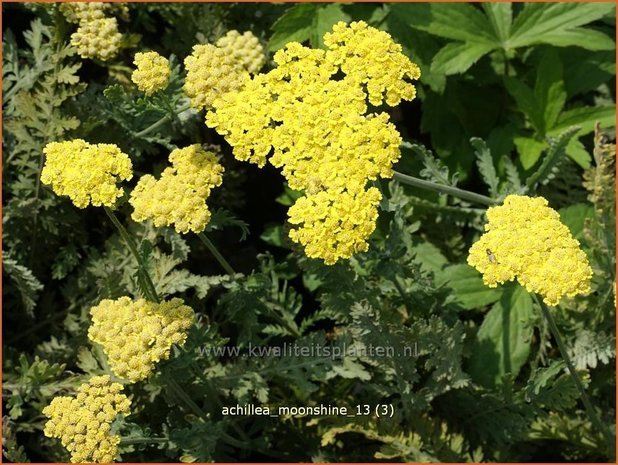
(579, 37)
(586, 118)
(469, 291)
(295, 25)
(502, 344)
(529, 149)
(500, 15)
(539, 19)
(549, 92)
(458, 21)
(574, 216)
(552, 158)
(485, 164)
(323, 21)
(458, 57)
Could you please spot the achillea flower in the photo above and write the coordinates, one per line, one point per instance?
(244, 48)
(211, 72)
(76, 12)
(152, 73)
(317, 127)
(371, 57)
(86, 173)
(83, 423)
(136, 335)
(179, 196)
(525, 239)
(97, 38)
(334, 225)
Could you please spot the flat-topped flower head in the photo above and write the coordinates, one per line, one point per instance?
(83, 422)
(311, 116)
(86, 173)
(179, 196)
(334, 226)
(525, 240)
(371, 57)
(97, 38)
(211, 72)
(245, 48)
(136, 335)
(76, 12)
(152, 73)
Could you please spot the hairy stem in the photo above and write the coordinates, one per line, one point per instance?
(213, 249)
(150, 288)
(592, 415)
(454, 191)
(161, 122)
(143, 440)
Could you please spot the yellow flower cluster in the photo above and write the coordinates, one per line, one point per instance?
(334, 224)
(244, 48)
(211, 72)
(76, 12)
(525, 239)
(135, 335)
(179, 196)
(87, 173)
(370, 56)
(152, 73)
(97, 38)
(83, 423)
(311, 113)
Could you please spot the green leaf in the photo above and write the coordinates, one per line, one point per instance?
(586, 118)
(469, 291)
(458, 21)
(325, 17)
(502, 344)
(578, 153)
(549, 91)
(26, 283)
(529, 149)
(548, 167)
(457, 57)
(525, 99)
(434, 169)
(500, 16)
(539, 20)
(574, 216)
(294, 25)
(308, 21)
(580, 37)
(485, 163)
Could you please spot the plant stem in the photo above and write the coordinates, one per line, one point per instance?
(142, 440)
(181, 394)
(162, 121)
(592, 415)
(150, 288)
(454, 191)
(222, 261)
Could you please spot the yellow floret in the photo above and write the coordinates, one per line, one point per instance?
(244, 48)
(372, 58)
(136, 335)
(334, 225)
(211, 72)
(86, 173)
(152, 73)
(97, 38)
(179, 197)
(83, 422)
(76, 12)
(525, 239)
(315, 125)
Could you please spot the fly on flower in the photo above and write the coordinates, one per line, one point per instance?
(491, 256)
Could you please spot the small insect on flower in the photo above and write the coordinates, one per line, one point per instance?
(491, 256)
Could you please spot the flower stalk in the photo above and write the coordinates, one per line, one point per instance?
(592, 415)
(215, 252)
(150, 289)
